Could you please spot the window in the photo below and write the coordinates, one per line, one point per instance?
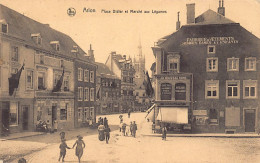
(86, 94)
(250, 90)
(13, 119)
(80, 93)
(63, 112)
(66, 83)
(85, 113)
(80, 74)
(180, 91)
(173, 62)
(92, 94)
(37, 38)
(41, 59)
(39, 113)
(29, 80)
(79, 114)
(250, 64)
(56, 79)
(55, 45)
(15, 54)
(41, 85)
(86, 75)
(92, 76)
(91, 112)
(233, 64)
(233, 89)
(213, 116)
(212, 64)
(211, 49)
(212, 89)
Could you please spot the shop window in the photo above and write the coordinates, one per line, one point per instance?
(166, 91)
(63, 112)
(250, 64)
(212, 64)
(213, 116)
(13, 118)
(233, 88)
(180, 91)
(250, 89)
(29, 79)
(80, 74)
(233, 64)
(66, 83)
(212, 89)
(15, 53)
(80, 93)
(86, 94)
(211, 49)
(232, 116)
(92, 94)
(173, 62)
(41, 81)
(92, 76)
(86, 75)
(79, 114)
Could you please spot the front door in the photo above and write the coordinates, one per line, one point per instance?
(25, 114)
(54, 113)
(5, 114)
(249, 120)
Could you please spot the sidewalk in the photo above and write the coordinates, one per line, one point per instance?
(147, 131)
(20, 135)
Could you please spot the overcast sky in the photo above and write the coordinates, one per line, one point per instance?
(121, 32)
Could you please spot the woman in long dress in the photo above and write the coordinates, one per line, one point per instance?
(79, 148)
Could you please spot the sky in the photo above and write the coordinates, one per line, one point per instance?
(123, 32)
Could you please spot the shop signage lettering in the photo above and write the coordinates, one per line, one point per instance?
(174, 77)
(200, 112)
(210, 41)
(166, 91)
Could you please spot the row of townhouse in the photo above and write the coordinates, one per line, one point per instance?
(48, 56)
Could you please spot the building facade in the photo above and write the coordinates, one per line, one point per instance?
(215, 61)
(108, 91)
(45, 85)
(123, 69)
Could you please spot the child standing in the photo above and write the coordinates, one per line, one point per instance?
(63, 147)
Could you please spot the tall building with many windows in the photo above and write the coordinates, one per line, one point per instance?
(207, 75)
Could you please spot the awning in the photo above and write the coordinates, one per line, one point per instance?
(177, 115)
(150, 113)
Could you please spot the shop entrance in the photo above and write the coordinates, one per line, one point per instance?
(249, 120)
(25, 114)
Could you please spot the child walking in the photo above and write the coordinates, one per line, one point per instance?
(63, 147)
(79, 148)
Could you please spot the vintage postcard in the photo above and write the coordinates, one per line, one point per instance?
(138, 81)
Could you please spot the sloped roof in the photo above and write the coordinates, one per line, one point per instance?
(103, 70)
(21, 27)
(212, 17)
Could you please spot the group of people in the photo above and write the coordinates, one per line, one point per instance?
(103, 129)
(127, 129)
(79, 147)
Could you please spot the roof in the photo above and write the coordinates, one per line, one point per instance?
(211, 17)
(103, 70)
(21, 27)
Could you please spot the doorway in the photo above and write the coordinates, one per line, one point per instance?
(5, 114)
(25, 114)
(249, 120)
(54, 113)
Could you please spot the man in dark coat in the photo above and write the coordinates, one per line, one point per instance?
(134, 129)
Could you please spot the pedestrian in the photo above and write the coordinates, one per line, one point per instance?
(131, 128)
(123, 128)
(62, 135)
(129, 112)
(55, 125)
(79, 148)
(105, 122)
(134, 129)
(107, 134)
(164, 132)
(63, 147)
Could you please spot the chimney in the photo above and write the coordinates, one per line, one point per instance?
(91, 53)
(221, 8)
(124, 56)
(190, 13)
(178, 23)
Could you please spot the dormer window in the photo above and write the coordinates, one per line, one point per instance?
(37, 38)
(55, 45)
(75, 49)
(4, 26)
(173, 62)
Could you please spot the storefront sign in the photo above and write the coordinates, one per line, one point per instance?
(210, 41)
(180, 91)
(200, 112)
(166, 91)
(174, 77)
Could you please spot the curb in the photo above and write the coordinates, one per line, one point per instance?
(21, 137)
(203, 136)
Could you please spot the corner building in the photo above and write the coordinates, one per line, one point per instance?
(222, 58)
